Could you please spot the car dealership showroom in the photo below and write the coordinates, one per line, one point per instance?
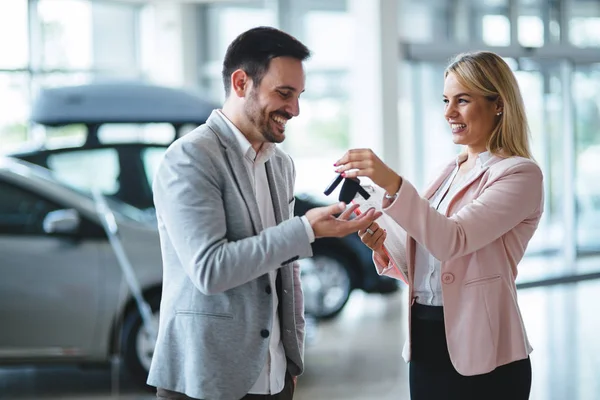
(109, 288)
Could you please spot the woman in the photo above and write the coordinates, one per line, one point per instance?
(466, 236)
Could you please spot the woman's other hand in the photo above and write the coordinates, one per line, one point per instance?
(364, 162)
(373, 237)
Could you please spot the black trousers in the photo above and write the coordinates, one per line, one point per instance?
(433, 377)
(286, 394)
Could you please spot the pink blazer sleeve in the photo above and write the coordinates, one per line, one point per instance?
(390, 269)
(505, 202)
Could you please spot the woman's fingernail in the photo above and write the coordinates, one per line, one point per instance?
(335, 164)
(343, 174)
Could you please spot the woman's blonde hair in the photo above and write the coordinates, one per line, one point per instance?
(487, 74)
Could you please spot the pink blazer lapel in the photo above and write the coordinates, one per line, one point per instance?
(459, 192)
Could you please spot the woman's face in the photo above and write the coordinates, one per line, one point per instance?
(471, 116)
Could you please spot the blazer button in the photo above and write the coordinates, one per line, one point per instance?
(268, 289)
(447, 278)
(264, 333)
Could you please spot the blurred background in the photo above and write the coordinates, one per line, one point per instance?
(92, 92)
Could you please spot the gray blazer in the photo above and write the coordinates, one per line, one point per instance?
(216, 306)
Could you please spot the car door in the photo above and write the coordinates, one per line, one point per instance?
(49, 286)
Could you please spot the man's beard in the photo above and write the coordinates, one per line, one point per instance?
(261, 119)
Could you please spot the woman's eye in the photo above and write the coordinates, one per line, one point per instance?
(445, 101)
(462, 101)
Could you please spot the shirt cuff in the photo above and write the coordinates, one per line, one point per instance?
(309, 229)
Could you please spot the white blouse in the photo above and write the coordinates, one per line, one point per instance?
(427, 288)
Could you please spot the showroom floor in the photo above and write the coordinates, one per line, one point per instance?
(358, 355)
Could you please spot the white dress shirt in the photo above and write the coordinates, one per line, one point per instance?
(427, 281)
(272, 376)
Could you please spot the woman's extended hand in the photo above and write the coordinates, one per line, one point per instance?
(364, 162)
(373, 237)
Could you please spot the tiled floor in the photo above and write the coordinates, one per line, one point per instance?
(358, 355)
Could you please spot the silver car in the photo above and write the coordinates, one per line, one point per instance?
(63, 292)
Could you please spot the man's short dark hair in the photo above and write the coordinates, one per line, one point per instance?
(253, 50)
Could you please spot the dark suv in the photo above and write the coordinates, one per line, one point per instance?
(125, 169)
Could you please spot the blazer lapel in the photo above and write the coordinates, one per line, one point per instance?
(235, 159)
(276, 185)
(458, 193)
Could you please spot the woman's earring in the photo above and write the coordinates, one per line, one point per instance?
(500, 113)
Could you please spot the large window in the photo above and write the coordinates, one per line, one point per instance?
(66, 34)
(560, 87)
(13, 25)
(14, 103)
(49, 43)
(586, 86)
(321, 133)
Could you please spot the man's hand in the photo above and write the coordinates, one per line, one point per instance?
(325, 224)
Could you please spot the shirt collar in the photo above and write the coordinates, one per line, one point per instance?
(482, 159)
(266, 151)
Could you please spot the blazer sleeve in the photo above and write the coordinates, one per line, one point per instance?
(190, 207)
(507, 201)
(390, 269)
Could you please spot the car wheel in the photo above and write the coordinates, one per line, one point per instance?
(326, 283)
(137, 343)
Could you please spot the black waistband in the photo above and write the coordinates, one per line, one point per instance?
(427, 313)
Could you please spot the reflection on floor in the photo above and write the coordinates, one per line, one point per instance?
(358, 355)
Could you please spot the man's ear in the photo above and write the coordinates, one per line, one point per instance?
(240, 82)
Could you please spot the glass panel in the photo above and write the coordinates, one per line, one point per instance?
(531, 31)
(433, 139)
(57, 137)
(586, 86)
(66, 28)
(187, 128)
(424, 21)
(585, 23)
(315, 139)
(545, 124)
(13, 25)
(88, 169)
(584, 32)
(495, 30)
(231, 21)
(151, 157)
(334, 52)
(22, 212)
(149, 133)
(550, 154)
(114, 38)
(530, 25)
(14, 103)
(489, 22)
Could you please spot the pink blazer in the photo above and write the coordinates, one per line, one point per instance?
(480, 241)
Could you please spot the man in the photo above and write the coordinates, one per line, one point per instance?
(231, 318)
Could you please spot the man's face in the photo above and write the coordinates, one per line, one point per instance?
(270, 105)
